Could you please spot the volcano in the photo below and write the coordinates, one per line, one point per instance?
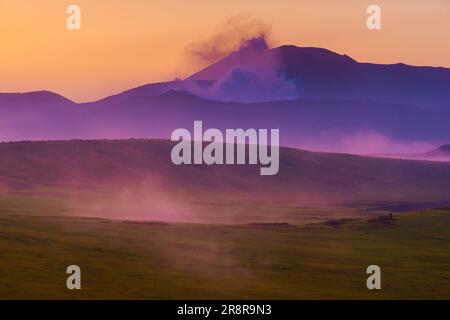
(320, 100)
(322, 74)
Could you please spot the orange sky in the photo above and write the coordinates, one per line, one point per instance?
(123, 44)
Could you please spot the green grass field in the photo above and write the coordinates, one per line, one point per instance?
(131, 260)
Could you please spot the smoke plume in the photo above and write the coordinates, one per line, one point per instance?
(239, 32)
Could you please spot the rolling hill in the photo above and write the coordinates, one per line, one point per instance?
(144, 167)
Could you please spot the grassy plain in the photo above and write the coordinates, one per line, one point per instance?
(151, 260)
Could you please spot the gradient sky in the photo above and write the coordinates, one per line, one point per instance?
(123, 44)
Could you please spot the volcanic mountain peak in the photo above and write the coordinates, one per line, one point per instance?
(276, 58)
(318, 73)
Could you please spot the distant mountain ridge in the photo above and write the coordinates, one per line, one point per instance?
(314, 69)
(341, 103)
